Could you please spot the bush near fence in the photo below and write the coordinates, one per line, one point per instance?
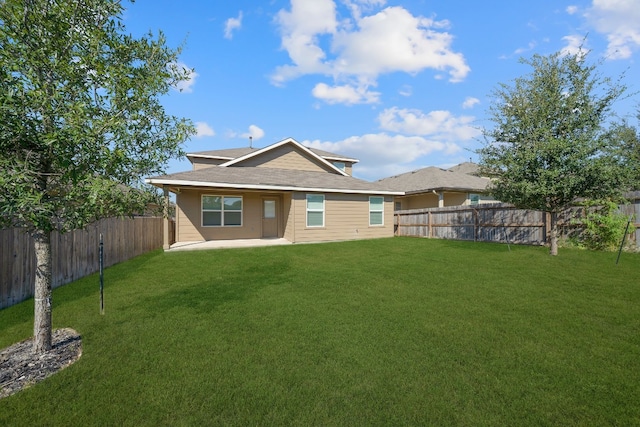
(496, 222)
(74, 254)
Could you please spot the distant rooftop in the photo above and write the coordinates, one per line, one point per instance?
(437, 179)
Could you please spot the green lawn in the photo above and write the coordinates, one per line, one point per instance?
(400, 331)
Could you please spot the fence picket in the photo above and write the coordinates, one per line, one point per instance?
(74, 254)
(496, 222)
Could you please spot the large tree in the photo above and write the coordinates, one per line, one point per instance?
(550, 144)
(80, 122)
(628, 139)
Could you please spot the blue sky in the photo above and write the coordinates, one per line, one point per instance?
(399, 85)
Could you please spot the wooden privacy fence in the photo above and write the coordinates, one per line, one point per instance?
(74, 254)
(497, 222)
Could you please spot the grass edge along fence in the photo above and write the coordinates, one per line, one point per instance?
(74, 254)
(494, 222)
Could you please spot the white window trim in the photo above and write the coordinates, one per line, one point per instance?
(307, 210)
(202, 210)
(381, 211)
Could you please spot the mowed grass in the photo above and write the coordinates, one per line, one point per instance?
(400, 331)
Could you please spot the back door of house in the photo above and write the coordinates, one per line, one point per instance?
(269, 217)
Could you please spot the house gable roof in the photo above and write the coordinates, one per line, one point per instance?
(435, 179)
(226, 154)
(289, 141)
(234, 153)
(258, 178)
(333, 156)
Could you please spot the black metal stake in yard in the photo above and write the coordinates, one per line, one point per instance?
(626, 231)
(506, 235)
(101, 252)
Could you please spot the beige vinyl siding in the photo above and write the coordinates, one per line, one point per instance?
(430, 200)
(200, 163)
(420, 201)
(349, 168)
(288, 217)
(189, 217)
(346, 218)
(285, 157)
(455, 199)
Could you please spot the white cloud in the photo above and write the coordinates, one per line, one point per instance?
(571, 9)
(300, 30)
(439, 125)
(576, 44)
(394, 40)
(470, 102)
(407, 136)
(185, 86)
(254, 132)
(619, 20)
(406, 90)
(530, 46)
(362, 47)
(345, 94)
(358, 7)
(232, 24)
(203, 129)
(382, 154)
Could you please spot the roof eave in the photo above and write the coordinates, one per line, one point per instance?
(436, 189)
(271, 187)
(339, 159)
(207, 156)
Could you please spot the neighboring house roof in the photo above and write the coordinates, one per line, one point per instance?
(469, 168)
(435, 179)
(259, 178)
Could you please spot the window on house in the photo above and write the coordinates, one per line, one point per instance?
(221, 211)
(376, 210)
(315, 210)
(340, 165)
(398, 206)
(474, 199)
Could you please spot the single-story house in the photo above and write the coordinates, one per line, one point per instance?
(285, 190)
(433, 187)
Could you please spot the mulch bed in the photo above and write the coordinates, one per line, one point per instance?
(20, 367)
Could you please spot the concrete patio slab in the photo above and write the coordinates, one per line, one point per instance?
(226, 244)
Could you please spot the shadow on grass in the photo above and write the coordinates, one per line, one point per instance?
(220, 288)
(90, 285)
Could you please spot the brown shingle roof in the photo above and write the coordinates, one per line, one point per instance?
(469, 168)
(434, 178)
(229, 153)
(234, 153)
(270, 178)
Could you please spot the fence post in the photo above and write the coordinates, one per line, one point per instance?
(475, 225)
(165, 218)
(101, 252)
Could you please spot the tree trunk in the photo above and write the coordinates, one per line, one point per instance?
(42, 293)
(554, 234)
